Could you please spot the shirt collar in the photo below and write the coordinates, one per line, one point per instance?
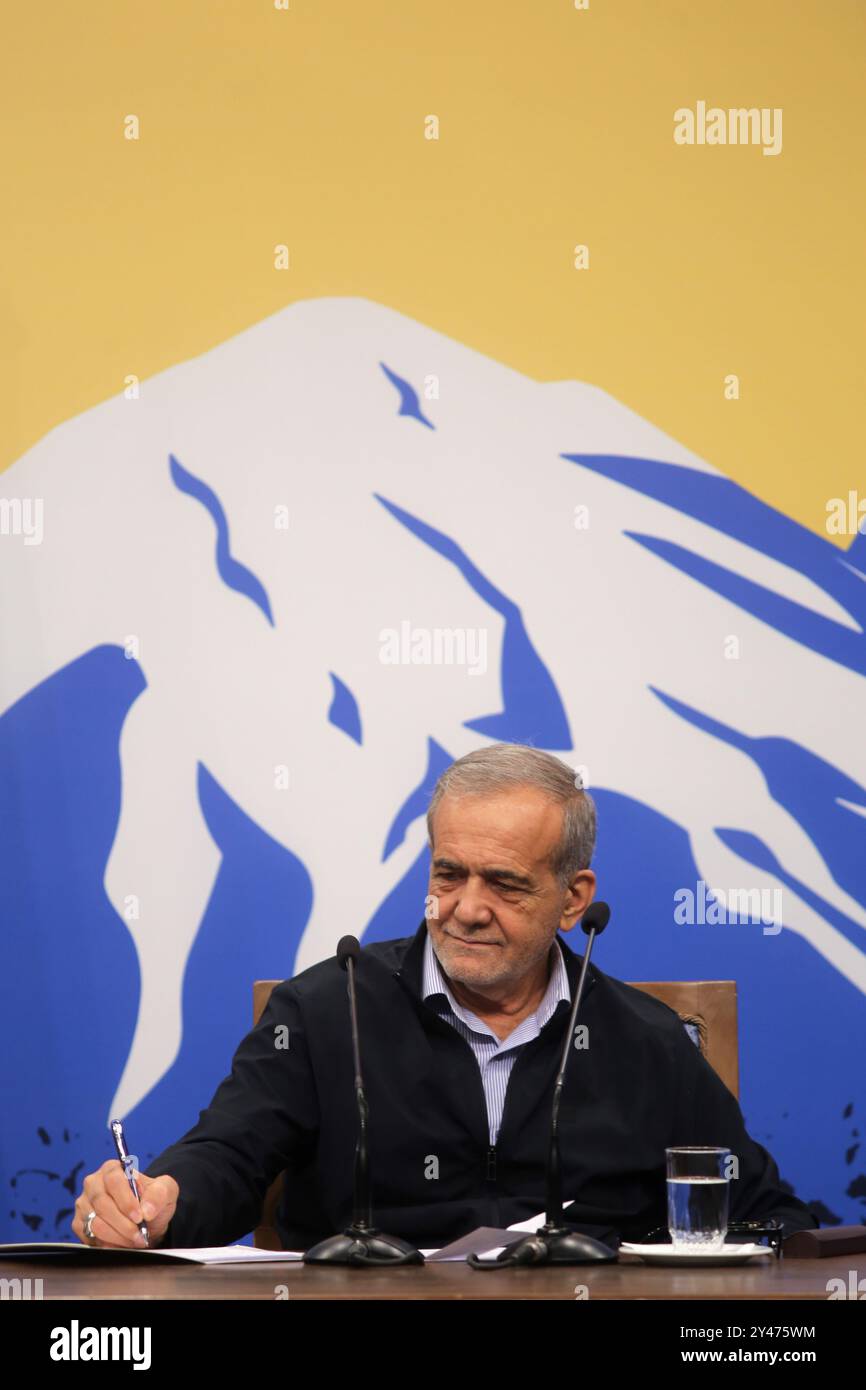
(434, 983)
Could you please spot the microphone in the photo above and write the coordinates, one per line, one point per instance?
(554, 1242)
(348, 948)
(360, 1243)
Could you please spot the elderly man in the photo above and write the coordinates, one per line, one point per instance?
(461, 1028)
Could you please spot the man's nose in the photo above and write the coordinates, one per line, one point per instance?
(473, 907)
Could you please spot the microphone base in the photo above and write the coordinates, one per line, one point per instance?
(550, 1245)
(363, 1246)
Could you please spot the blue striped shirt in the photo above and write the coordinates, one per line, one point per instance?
(495, 1056)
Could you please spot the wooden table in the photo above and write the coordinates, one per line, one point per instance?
(771, 1279)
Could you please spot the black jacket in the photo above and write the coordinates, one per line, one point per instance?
(639, 1086)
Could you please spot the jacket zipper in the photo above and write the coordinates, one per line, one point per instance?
(491, 1151)
(491, 1163)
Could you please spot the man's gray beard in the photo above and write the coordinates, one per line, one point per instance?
(478, 982)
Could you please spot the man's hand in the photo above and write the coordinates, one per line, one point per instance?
(107, 1193)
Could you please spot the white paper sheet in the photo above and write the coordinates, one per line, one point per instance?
(231, 1254)
(205, 1255)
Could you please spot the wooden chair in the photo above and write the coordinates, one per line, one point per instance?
(711, 1005)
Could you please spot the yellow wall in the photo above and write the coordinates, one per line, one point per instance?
(306, 126)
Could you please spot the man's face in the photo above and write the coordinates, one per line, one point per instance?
(499, 905)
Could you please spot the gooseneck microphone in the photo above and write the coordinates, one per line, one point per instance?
(554, 1242)
(360, 1243)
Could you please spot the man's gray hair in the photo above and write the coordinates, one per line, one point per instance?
(504, 765)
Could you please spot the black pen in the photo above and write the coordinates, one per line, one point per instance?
(128, 1166)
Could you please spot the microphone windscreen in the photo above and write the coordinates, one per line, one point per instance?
(596, 918)
(349, 948)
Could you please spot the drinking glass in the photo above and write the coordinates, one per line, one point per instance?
(698, 1195)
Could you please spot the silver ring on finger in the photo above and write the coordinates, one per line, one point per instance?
(88, 1228)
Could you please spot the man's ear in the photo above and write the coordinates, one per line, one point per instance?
(579, 895)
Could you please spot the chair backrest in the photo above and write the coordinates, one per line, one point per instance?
(710, 1006)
